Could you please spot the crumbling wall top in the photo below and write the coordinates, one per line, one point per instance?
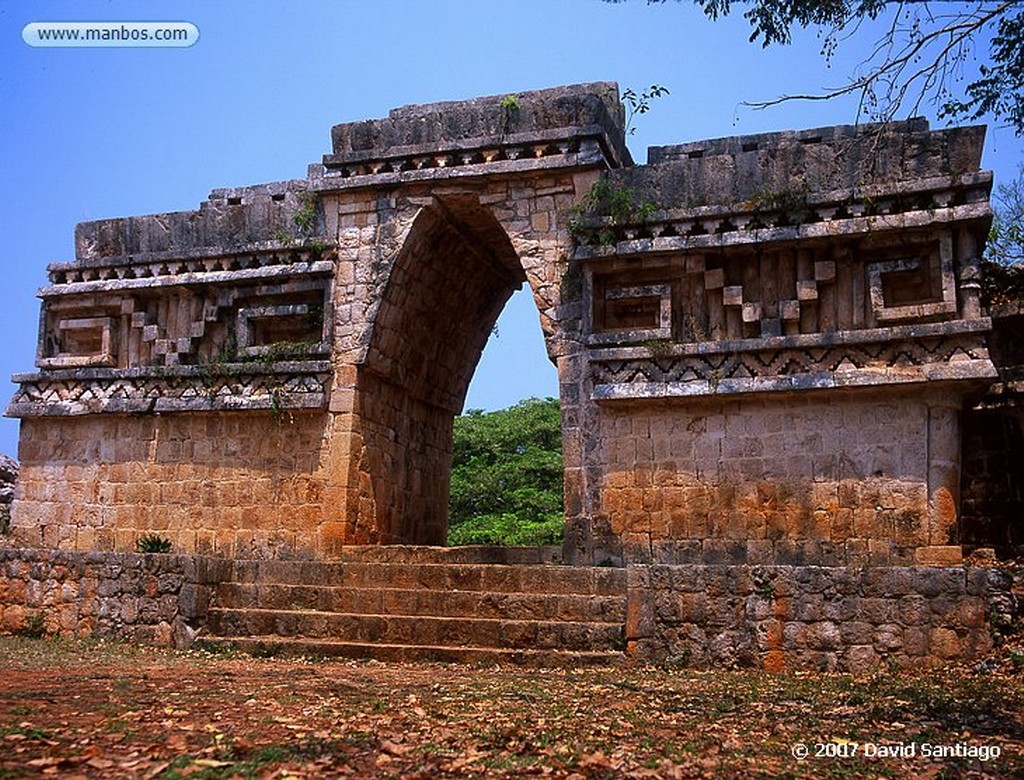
(820, 160)
(546, 113)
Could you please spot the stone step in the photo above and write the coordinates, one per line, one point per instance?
(421, 601)
(398, 653)
(425, 630)
(399, 553)
(497, 578)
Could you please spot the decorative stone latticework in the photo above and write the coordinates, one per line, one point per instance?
(779, 344)
(276, 373)
(764, 355)
(763, 361)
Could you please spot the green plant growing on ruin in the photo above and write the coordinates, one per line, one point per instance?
(605, 207)
(286, 350)
(304, 217)
(784, 199)
(715, 377)
(658, 347)
(303, 220)
(637, 104)
(153, 543)
(280, 410)
(510, 106)
(33, 627)
(694, 330)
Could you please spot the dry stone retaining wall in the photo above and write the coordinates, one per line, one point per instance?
(151, 599)
(773, 617)
(815, 617)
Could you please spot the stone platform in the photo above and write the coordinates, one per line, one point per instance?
(417, 604)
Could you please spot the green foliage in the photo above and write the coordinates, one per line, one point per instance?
(640, 104)
(1000, 90)
(924, 54)
(1006, 238)
(506, 485)
(304, 217)
(603, 208)
(153, 543)
(510, 103)
(1003, 265)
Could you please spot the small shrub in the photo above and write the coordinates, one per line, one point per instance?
(153, 543)
(34, 627)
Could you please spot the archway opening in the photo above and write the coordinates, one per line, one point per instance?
(445, 291)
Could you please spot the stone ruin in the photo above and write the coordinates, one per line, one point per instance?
(8, 478)
(766, 348)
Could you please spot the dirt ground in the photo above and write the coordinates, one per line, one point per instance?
(91, 709)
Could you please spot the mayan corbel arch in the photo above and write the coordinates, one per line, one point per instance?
(765, 361)
(275, 374)
(433, 237)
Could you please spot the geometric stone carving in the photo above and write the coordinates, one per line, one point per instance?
(877, 357)
(913, 288)
(81, 341)
(237, 386)
(633, 314)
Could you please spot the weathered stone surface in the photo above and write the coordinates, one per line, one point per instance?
(393, 259)
(812, 617)
(8, 476)
(763, 359)
(145, 598)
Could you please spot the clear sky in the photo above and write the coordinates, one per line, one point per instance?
(94, 133)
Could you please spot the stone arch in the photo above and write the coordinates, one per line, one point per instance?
(450, 280)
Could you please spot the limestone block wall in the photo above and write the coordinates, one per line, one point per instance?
(763, 358)
(815, 618)
(354, 304)
(231, 484)
(151, 599)
(847, 479)
(780, 341)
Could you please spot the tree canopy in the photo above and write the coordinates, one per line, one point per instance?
(506, 485)
(1006, 238)
(926, 53)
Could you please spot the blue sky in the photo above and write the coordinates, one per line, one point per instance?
(95, 133)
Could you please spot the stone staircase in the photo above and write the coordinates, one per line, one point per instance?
(467, 605)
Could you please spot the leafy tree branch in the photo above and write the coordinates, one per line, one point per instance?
(926, 52)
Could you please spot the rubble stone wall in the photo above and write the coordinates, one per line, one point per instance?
(151, 599)
(817, 618)
(8, 479)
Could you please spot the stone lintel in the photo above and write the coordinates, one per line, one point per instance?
(801, 341)
(589, 157)
(287, 271)
(978, 372)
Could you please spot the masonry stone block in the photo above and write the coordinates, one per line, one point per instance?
(743, 383)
